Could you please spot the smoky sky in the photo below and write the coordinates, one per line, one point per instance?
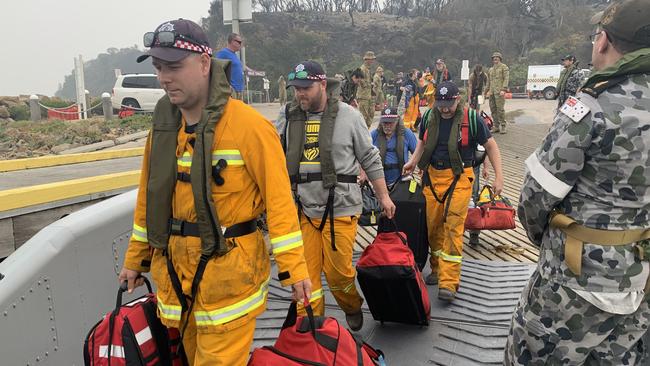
(42, 37)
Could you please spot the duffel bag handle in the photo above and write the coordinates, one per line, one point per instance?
(124, 287)
(395, 230)
(292, 316)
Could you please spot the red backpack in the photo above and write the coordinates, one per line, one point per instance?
(315, 341)
(133, 335)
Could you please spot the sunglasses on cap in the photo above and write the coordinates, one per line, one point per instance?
(303, 75)
(171, 39)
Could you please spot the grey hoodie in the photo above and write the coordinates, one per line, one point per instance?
(352, 146)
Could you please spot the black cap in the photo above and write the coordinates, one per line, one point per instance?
(569, 57)
(627, 20)
(306, 73)
(446, 94)
(389, 115)
(193, 39)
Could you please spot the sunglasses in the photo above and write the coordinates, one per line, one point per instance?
(298, 75)
(168, 39)
(237, 41)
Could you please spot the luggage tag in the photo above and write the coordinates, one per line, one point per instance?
(413, 186)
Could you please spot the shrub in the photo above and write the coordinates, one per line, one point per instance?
(19, 112)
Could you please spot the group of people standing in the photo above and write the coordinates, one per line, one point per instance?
(212, 165)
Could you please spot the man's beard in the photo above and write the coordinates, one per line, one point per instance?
(312, 105)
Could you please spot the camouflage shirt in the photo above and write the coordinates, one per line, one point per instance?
(597, 171)
(364, 90)
(571, 84)
(498, 78)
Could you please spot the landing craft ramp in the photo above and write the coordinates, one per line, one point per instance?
(59, 283)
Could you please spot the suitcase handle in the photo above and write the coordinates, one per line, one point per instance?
(124, 287)
(292, 317)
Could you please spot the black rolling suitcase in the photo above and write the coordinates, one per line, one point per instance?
(411, 218)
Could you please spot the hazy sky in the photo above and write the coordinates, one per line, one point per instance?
(42, 37)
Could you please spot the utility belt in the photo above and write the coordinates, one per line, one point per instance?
(577, 235)
(446, 164)
(186, 228)
(329, 207)
(315, 177)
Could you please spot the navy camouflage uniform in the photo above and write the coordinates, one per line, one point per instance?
(595, 168)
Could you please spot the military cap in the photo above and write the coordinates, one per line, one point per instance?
(369, 56)
(568, 57)
(627, 20)
(497, 54)
(380, 69)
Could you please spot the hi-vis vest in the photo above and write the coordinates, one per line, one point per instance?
(464, 125)
(163, 167)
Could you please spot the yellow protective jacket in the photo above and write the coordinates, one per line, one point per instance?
(234, 285)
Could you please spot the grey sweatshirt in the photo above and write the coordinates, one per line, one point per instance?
(352, 146)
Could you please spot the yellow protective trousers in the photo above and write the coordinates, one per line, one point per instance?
(226, 348)
(446, 236)
(336, 264)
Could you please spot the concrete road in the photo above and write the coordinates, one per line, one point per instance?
(521, 111)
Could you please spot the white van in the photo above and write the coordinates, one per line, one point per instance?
(542, 80)
(138, 91)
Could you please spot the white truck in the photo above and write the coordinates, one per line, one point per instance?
(542, 80)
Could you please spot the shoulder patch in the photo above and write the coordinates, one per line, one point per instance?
(575, 109)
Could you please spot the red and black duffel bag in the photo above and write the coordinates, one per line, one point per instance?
(491, 212)
(133, 335)
(391, 281)
(315, 341)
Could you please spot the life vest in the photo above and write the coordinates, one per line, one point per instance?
(163, 167)
(399, 148)
(464, 125)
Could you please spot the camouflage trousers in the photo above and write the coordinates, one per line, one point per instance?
(367, 109)
(552, 325)
(498, 110)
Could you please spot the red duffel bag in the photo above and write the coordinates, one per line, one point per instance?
(132, 335)
(318, 341)
(491, 212)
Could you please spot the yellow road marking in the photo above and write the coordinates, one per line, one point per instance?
(44, 193)
(54, 160)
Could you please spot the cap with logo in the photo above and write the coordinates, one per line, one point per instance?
(174, 40)
(626, 20)
(568, 57)
(306, 73)
(446, 94)
(389, 115)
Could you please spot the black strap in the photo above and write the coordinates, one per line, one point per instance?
(391, 166)
(183, 177)
(329, 212)
(446, 198)
(442, 164)
(314, 177)
(185, 228)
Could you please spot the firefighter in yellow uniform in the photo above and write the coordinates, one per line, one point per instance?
(445, 153)
(326, 141)
(211, 166)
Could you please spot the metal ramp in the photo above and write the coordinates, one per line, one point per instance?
(470, 331)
